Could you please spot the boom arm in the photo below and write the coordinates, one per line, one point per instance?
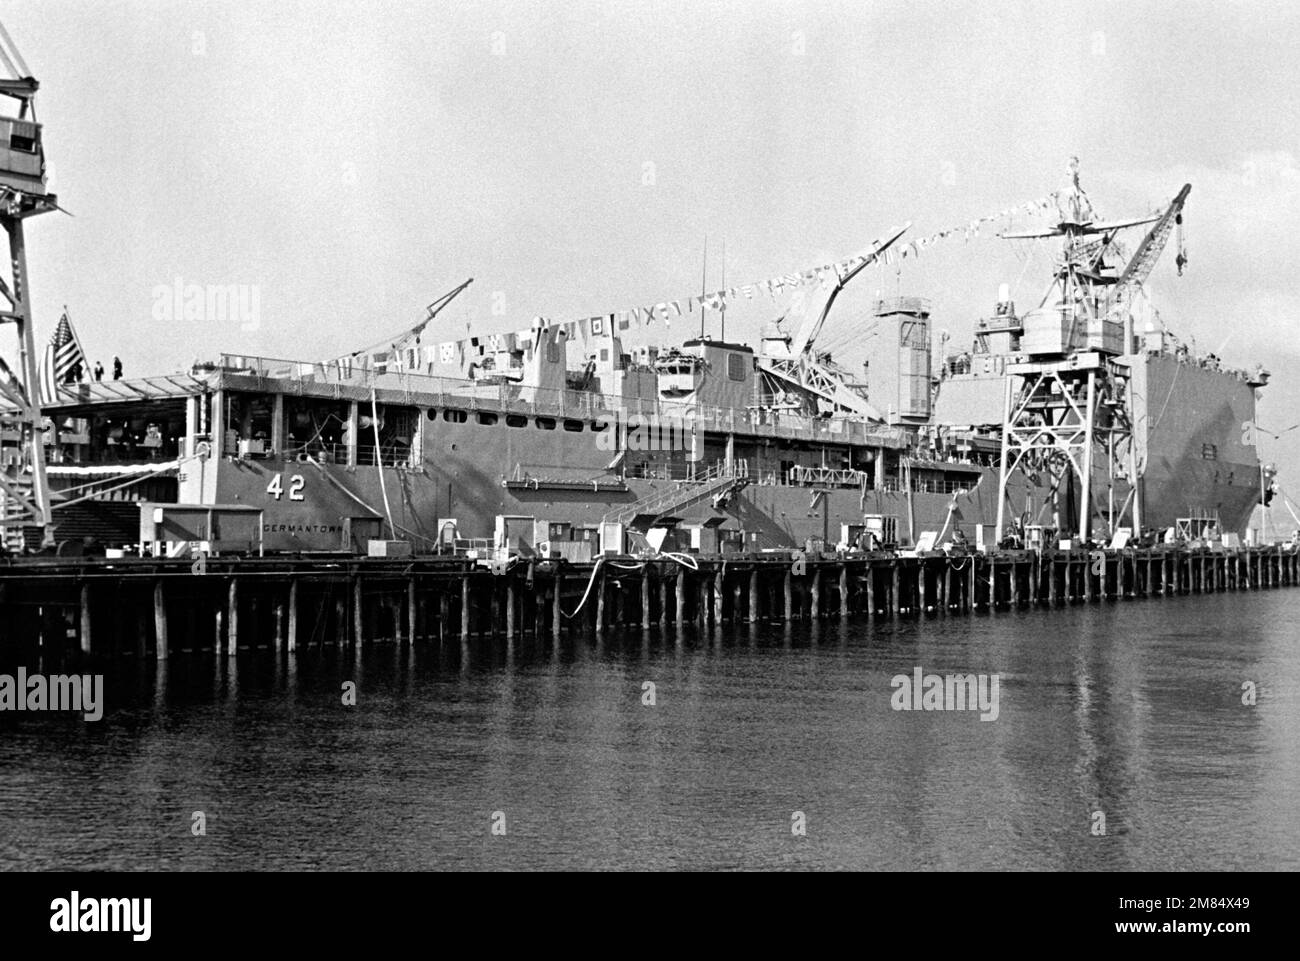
(1148, 252)
(817, 306)
(431, 311)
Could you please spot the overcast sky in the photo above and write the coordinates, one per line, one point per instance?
(354, 160)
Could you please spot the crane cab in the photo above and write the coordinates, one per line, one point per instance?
(22, 158)
(22, 163)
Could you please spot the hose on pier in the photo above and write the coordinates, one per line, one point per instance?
(685, 560)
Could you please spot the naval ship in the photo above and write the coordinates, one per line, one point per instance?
(557, 445)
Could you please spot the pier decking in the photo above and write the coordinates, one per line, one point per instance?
(57, 607)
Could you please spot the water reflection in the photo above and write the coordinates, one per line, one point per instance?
(1132, 710)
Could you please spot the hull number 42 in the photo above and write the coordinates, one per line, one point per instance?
(296, 484)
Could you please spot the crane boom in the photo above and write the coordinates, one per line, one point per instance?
(1144, 259)
(431, 311)
(817, 305)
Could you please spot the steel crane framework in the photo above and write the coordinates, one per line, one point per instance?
(24, 490)
(1070, 411)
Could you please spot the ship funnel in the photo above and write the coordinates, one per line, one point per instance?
(1004, 293)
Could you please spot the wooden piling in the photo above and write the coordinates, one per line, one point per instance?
(232, 618)
(86, 620)
(253, 629)
(159, 620)
(291, 639)
(358, 611)
(600, 601)
(365, 594)
(465, 605)
(412, 610)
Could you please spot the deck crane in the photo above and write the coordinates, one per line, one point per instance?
(1143, 260)
(401, 341)
(1080, 278)
(791, 360)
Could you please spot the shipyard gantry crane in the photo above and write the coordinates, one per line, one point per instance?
(24, 490)
(1069, 401)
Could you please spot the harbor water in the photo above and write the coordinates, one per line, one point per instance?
(765, 747)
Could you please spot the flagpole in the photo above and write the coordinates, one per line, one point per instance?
(46, 387)
(85, 358)
(704, 282)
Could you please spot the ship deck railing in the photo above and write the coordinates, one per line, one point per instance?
(93, 393)
(683, 473)
(418, 389)
(800, 475)
(892, 486)
(390, 455)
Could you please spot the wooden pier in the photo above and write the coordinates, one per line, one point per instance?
(57, 607)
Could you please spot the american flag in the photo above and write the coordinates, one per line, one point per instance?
(61, 356)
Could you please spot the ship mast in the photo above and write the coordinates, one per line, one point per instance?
(704, 280)
(722, 334)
